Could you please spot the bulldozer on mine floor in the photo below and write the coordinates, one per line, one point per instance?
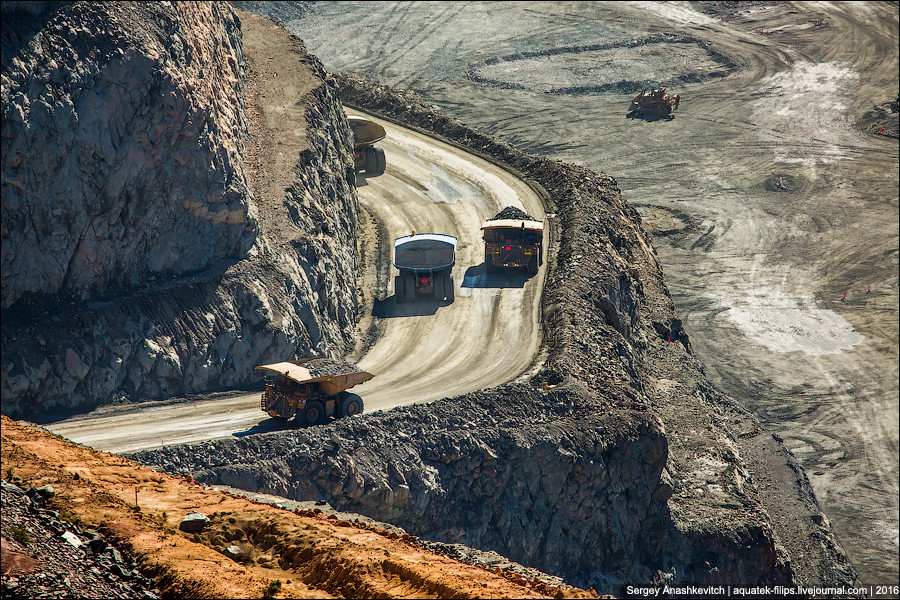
(656, 102)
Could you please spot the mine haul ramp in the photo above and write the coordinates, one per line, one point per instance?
(366, 157)
(425, 262)
(312, 389)
(513, 244)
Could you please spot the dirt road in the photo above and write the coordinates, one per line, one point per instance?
(425, 350)
(491, 332)
(767, 198)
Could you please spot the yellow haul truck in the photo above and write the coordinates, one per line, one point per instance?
(309, 391)
(513, 240)
(366, 157)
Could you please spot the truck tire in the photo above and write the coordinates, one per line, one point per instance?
(409, 287)
(349, 404)
(450, 292)
(488, 262)
(312, 414)
(532, 266)
(375, 161)
(399, 289)
(380, 162)
(440, 286)
(370, 160)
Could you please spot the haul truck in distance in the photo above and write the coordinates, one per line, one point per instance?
(366, 157)
(425, 262)
(309, 391)
(513, 240)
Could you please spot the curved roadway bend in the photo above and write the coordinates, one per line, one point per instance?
(491, 332)
(489, 335)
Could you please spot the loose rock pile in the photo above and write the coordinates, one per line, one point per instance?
(511, 212)
(323, 367)
(47, 557)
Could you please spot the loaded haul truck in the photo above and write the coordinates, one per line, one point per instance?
(310, 390)
(513, 240)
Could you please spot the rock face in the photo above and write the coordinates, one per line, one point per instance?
(122, 142)
(616, 464)
(137, 261)
(539, 477)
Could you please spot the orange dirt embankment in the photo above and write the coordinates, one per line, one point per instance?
(313, 556)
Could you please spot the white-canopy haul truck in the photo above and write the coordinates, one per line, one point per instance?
(425, 262)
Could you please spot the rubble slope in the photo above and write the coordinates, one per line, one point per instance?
(240, 553)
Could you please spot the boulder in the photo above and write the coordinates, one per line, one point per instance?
(194, 522)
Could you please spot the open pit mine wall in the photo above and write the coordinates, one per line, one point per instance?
(580, 480)
(133, 262)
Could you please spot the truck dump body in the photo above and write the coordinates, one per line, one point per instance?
(425, 252)
(513, 239)
(333, 376)
(425, 262)
(365, 132)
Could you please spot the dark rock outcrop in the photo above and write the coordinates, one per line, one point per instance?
(137, 263)
(45, 556)
(122, 142)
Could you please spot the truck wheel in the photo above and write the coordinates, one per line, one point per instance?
(450, 292)
(532, 266)
(312, 414)
(380, 162)
(409, 287)
(371, 160)
(349, 405)
(399, 289)
(440, 286)
(488, 262)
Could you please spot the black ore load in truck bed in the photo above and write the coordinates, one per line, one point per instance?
(322, 367)
(511, 212)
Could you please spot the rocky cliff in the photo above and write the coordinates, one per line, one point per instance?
(142, 254)
(123, 131)
(616, 465)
